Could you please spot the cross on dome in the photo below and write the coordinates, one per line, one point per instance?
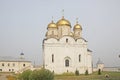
(63, 13)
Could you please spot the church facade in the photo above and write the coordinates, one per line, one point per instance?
(65, 50)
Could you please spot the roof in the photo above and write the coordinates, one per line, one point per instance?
(99, 62)
(12, 59)
(89, 50)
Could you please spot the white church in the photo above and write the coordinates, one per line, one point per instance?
(65, 50)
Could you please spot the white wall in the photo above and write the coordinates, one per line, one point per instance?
(14, 66)
(62, 49)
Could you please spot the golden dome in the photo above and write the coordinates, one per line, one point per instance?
(78, 26)
(63, 22)
(52, 25)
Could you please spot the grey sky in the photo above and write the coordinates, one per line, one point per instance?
(23, 24)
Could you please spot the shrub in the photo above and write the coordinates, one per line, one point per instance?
(25, 75)
(77, 73)
(86, 72)
(42, 74)
(99, 71)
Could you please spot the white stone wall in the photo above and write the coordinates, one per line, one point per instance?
(89, 62)
(77, 33)
(63, 30)
(100, 66)
(52, 32)
(116, 69)
(14, 66)
(62, 50)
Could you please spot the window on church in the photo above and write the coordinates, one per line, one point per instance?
(67, 63)
(79, 57)
(52, 58)
(3, 64)
(12, 69)
(24, 65)
(13, 64)
(66, 40)
(8, 64)
(0, 70)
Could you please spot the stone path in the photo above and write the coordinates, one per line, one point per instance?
(3, 77)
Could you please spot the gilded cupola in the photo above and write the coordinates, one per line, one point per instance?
(63, 22)
(52, 25)
(77, 26)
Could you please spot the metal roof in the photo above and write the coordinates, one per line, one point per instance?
(12, 59)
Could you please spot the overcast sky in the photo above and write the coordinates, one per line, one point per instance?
(23, 24)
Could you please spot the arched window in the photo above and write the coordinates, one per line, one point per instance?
(3, 64)
(13, 64)
(52, 58)
(23, 65)
(79, 57)
(67, 63)
(67, 40)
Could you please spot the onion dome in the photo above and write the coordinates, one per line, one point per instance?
(63, 22)
(21, 53)
(52, 25)
(77, 26)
